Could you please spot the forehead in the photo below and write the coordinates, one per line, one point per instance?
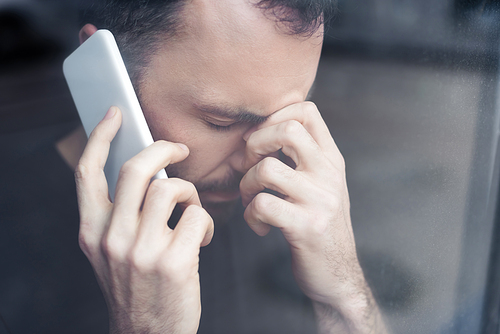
(229, 51)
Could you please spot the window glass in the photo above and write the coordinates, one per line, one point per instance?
(409, 90)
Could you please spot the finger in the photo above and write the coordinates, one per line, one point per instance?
(309, 116)
(292, 138)
(136, 173)
(194, 229)
(161, 198)
(92, 188)
(271, 174)
(266, 210)
(298, 226)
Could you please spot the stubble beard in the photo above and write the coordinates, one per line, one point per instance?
(221, 212)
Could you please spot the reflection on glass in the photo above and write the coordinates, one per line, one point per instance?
(409, 91)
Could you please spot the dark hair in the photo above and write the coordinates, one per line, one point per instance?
(300, 17)
(138, 25)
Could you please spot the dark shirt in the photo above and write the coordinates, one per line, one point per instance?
(47, 284)
(248, 285)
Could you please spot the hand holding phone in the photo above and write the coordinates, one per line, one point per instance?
(98, 79)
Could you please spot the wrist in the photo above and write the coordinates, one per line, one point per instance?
(329, 319)
(356, 311)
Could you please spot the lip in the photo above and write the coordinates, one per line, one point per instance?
(219, 196)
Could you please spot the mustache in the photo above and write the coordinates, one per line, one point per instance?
(230, 183)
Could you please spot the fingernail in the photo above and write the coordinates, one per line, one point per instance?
(111, 112)
(184, 147)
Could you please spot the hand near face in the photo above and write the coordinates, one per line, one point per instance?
(312, 211)
(147, 271)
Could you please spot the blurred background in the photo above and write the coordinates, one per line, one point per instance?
(409, 89)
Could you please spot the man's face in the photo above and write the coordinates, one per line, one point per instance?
(228, 69)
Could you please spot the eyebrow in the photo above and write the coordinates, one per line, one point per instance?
(237, 114)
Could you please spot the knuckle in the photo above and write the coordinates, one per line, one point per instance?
(309, 107)
(318, 223)
(267, 167)
(266, 206)
(81, 172)
(261, 203)
(334, 204)
(291, 175)
(319, 228)
(131, 167)
(174, 185)
(86, 245)
(168, 267)
(190, 187)
(180, 187)
(112, 249)
(311, 111)
(141, 260)
(106, 247)
(196, 213)
(292, 128)
(251, 145)
(163, 143)
(196, 222)
(174, 268)
(159, 187)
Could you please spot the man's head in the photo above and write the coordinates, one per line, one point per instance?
(141, 25)
(207, 71)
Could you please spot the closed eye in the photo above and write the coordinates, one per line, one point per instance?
(220, 128)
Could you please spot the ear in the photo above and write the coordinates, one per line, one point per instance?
(87, 31)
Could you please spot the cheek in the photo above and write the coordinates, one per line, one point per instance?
(205, 149)
(202, 142)
(209, 150)
(207, 160)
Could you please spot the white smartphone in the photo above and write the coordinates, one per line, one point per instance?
(98, 79)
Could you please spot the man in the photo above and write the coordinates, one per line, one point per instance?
(223, 86)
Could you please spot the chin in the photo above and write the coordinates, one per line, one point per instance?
(221, 212)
